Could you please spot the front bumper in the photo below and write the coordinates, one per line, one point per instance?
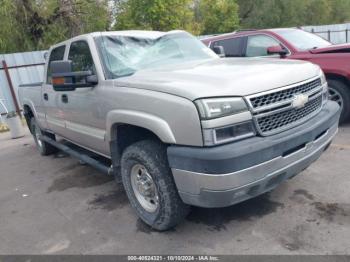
(224, 175)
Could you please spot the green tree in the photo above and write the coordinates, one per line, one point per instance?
(163, 15)
(289, 13)
(340, 11)
(32, 25)
(11, 33)
(269, 13)
(220, 16)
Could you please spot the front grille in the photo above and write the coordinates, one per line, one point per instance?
(285, 94)
(274, 111)
(277, 121)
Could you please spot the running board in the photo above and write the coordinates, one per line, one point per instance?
(81, 156)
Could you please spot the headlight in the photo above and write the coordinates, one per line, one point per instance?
(224, 120)
(218, 107)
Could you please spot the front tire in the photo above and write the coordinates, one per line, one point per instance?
(340, 93)
(44, 148)
(150, 186)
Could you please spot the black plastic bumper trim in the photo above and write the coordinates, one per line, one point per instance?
(253, 151)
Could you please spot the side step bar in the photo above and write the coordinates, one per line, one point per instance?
(83, 157)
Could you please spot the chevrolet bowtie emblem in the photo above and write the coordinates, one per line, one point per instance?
(300, 100)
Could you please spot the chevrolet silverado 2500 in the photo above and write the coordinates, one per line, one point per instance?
(180, 125)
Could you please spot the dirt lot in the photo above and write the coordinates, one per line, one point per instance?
(55, 205)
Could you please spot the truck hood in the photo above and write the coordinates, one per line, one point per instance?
(342, 48)
(221, 77)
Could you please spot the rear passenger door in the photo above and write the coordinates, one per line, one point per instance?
(233, 47)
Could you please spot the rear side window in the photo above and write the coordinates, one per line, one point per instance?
(232, 47)
(55, 55)
(80, 56)
(257, 45)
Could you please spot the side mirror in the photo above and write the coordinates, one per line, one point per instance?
(63, 79)
(219, 50)
(277, 50)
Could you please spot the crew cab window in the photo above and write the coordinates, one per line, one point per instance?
(257, 45)
(80, 55)
(232, 47)
(56, 55)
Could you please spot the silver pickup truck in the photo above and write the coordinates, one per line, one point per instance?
(180, 125)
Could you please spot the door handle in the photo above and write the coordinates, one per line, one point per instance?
(46, 96)
(64, 98)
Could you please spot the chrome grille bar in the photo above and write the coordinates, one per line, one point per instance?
(273, 110)
(283, 94)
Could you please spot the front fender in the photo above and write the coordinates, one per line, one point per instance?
(150, 122)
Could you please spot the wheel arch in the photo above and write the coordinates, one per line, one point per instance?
(126, 127)
(338, 77)
(28, 114)
(154, 124)
(125, 134)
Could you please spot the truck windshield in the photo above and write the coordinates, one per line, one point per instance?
(303, 40)
(125, 55)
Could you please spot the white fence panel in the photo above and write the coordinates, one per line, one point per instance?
(24, 68)
(337, 34)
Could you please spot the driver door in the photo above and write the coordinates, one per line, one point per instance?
(83, 114)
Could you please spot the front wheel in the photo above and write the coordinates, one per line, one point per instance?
(150, 186)
(340, 93)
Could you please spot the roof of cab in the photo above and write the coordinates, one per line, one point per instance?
(131, 33)
(134, 33)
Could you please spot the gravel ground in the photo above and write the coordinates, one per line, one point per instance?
(54, 205)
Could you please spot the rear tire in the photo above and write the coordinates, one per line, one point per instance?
(150, 186)
(44, 148)
(340, 93)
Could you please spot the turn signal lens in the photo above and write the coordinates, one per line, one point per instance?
(228, 133)
(58, 80)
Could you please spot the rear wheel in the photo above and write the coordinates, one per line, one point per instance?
(43, 147)
(340, 93)
(150, 186)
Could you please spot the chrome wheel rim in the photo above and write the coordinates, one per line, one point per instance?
(144, 188)
(38, 137)
(335, 96)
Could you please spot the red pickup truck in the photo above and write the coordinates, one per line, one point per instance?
(291, 43)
